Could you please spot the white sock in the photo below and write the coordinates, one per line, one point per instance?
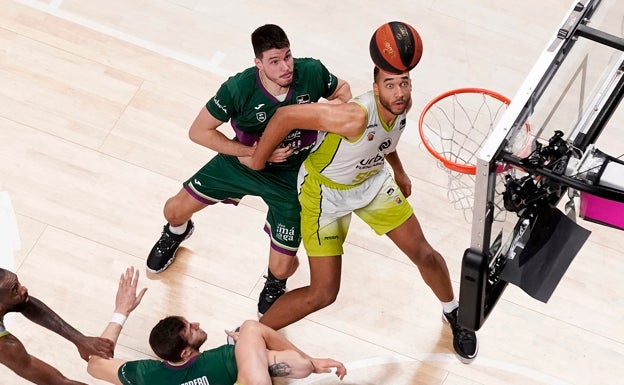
(178, 229)
(448, 307)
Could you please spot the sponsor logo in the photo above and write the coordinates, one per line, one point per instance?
(195, 181)
(331, 80)
(386, 144)
(284, 233)
(303, 99)
(218, 104)
(259, 106)
(371, 162)
(329, 238)
(261, 116)
(390, 191)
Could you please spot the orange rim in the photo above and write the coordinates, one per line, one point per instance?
(462, 168)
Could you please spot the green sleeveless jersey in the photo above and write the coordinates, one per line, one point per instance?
(212, 367)
(244, 101)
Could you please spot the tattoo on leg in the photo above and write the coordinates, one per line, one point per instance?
(279, 369)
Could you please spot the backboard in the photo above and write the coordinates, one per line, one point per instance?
(570, 98)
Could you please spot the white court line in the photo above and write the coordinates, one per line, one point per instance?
(523, 371)
(212, 65)
(56, 3)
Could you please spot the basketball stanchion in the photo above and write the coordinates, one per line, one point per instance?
(453, 127)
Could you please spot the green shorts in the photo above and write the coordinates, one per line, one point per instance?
(225, 180)
(326, 209)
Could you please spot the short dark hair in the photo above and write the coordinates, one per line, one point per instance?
(375, 73)
(166, 338)
(269, 36)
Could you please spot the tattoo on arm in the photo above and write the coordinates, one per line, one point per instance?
(279, 369)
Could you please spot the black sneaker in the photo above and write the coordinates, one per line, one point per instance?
(465, 341)
(164, 250)
(273, 289)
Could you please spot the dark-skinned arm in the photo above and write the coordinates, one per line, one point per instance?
(400, 176)
(14, 356)
(39, 313)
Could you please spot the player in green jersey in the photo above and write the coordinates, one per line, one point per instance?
(248, 100)
(259, 352)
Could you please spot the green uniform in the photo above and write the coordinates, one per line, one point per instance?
(212, 367)
(244, 101)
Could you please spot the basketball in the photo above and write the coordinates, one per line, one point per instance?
(396, 47)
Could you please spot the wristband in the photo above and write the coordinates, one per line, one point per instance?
(118, 318)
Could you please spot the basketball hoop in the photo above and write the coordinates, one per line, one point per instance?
(454, 126)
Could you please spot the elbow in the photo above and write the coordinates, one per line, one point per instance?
(93, 367)
(193, 135)
(256, 165)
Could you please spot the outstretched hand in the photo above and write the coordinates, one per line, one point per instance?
(325, 365)
(127, 299)
(95, 346)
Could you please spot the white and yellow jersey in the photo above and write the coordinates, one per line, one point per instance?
(349, 162)
(3, 331)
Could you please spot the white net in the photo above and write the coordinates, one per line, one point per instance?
(454, 126)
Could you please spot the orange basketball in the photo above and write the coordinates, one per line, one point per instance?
(396, 47)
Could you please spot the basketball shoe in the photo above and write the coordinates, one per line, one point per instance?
(273, 289)
(163, 252)
(465, 341)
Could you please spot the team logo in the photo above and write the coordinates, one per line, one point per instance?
(261, 116)
(398, 200)
(370, 136)
(386, 144)
(303, 99)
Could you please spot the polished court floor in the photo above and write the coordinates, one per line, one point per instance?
(95, 102)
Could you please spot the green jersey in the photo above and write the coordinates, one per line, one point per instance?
(212, 367)
(244, 101)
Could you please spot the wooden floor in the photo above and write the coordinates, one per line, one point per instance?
(95, 102)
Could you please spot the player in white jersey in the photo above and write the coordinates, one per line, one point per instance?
(346, 173)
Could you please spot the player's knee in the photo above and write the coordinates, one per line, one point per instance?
(250, 326)
(171, 211)
(425, 256)
(283, 268)
(321, 298)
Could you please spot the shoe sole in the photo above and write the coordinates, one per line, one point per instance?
(461, 358)
(170, 261)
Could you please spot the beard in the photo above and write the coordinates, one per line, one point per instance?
(197, 344)
(390, 106)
